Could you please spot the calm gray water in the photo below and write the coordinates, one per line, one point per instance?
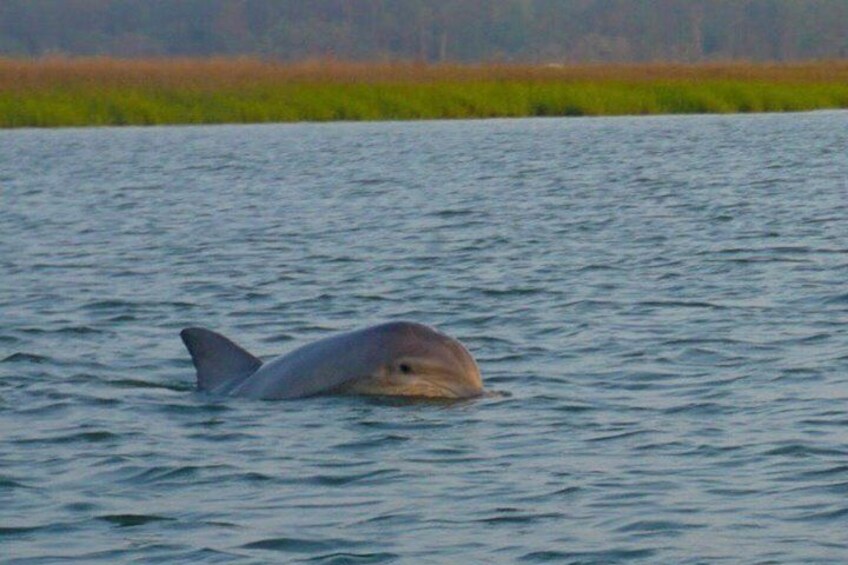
(661, 304)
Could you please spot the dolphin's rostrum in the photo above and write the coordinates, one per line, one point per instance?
(396, 359)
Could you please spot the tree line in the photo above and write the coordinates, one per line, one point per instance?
(540, 31)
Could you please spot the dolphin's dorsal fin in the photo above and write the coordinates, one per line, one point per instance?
(217, 359)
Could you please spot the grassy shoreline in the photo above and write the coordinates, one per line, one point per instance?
(57, 92)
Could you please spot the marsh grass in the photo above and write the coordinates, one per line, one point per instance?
(80, 92)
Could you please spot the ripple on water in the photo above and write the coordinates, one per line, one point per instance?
(21, 357)
(302, 545)
(80, 437)
(350, 558)
(587, 557)
(9, 483)
(132, 520)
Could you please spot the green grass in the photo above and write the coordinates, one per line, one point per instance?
(96, 101)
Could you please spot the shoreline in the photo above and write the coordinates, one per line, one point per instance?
(112, 92)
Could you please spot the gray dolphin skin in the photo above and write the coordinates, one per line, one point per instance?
(392, 359)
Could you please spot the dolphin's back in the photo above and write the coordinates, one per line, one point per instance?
(314, 368)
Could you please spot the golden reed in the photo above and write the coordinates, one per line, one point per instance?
(55, 91)
(50, 72)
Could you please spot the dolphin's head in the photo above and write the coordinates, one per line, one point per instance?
(417, 360)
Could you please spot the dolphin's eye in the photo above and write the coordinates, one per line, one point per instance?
(404, 368)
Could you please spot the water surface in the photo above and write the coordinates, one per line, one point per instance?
(661, 303)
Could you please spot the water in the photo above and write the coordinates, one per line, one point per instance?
(660, 304)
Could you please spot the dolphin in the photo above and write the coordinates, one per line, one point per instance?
(392, 359)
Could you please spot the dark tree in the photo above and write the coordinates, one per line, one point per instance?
(431, 30)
